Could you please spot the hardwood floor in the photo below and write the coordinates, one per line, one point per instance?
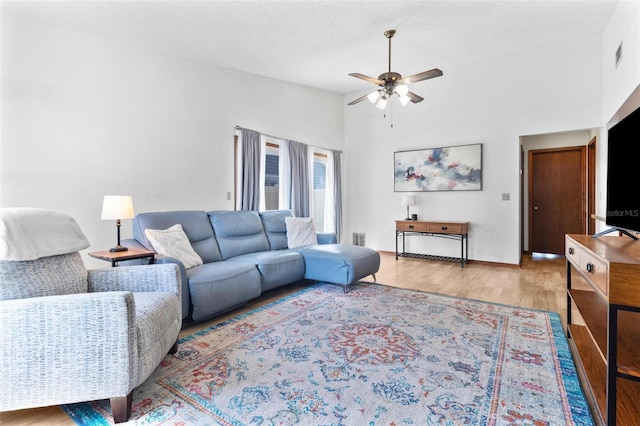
(538, 284)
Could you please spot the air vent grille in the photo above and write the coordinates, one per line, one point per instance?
(358, 239)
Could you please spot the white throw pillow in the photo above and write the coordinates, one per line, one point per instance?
(300, 231)
(173, 242)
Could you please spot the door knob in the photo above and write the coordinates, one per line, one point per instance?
(535, 207)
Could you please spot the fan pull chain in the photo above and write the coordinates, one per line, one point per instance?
(390, 107)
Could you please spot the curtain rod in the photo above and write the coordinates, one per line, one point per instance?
(278, 137)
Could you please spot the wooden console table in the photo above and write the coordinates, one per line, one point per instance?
(607, 345)
(451, 230)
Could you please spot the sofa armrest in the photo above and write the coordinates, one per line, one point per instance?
(134, 244)
(147, 278)
(186, 295)
(51, 344)
(327, 238)
(159, 260)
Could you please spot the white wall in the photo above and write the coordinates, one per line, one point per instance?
(83, 117)
(551, 89)
(618, 82)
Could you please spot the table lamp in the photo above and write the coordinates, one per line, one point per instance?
(408, 200)
(117, 207)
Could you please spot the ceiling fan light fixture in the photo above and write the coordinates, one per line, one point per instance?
(374, 96)
(402, 90)
(392, 83)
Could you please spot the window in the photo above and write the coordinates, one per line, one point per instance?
(272, 176)
(273, 181)
(319, 171)
(319, 188)
(265, 181)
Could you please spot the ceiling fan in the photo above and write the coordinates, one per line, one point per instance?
(393, 83)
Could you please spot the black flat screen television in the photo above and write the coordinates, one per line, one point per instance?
(623, 173)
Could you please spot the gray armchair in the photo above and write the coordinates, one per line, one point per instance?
(70, 335)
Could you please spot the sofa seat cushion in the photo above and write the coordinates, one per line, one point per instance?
(157, 327)
(219, 286)
(339, 263)
(277, 267)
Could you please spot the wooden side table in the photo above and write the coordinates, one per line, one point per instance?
(131, 254)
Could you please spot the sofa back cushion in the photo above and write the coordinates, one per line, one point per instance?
(238, 232)
(46, 276)
(194, 223)
(274, 225)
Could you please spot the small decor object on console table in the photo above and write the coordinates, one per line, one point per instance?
(408, 200)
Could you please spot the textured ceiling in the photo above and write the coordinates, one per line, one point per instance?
(317, 43)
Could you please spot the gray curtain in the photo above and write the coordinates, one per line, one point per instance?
(337, 193)
(299, 179)
(250, 170)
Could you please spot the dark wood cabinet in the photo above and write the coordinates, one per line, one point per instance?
(607, 346)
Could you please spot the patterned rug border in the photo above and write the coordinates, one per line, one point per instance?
(84, 414)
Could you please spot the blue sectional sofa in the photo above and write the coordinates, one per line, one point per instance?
(245, 253)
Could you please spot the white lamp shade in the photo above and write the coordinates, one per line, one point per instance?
(402, 89)
(116, 207)
(373, 96)
(382, 103)
(408, 200)
(404, 100)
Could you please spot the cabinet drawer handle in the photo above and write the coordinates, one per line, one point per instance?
(444, 228)
(590, 268)
(571, 250)
(411, 226)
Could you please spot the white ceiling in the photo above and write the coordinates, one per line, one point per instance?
(317, 43)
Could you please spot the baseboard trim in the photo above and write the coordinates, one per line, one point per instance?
(469, 261)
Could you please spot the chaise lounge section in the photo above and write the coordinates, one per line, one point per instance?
(245, 253)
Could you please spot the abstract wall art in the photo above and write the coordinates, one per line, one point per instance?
(453, 168)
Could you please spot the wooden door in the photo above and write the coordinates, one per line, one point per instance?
(591, 186)
(557, 190)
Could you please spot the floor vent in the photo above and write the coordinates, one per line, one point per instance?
(358, 239)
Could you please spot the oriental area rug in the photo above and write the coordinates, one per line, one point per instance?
(377, 355)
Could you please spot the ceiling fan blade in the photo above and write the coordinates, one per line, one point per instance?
(415, 98)
(360, 99)
(367, 78)
(425, 75)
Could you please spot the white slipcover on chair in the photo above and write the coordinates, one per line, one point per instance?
(70, 335)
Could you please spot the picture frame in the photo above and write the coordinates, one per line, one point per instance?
(452, 168)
